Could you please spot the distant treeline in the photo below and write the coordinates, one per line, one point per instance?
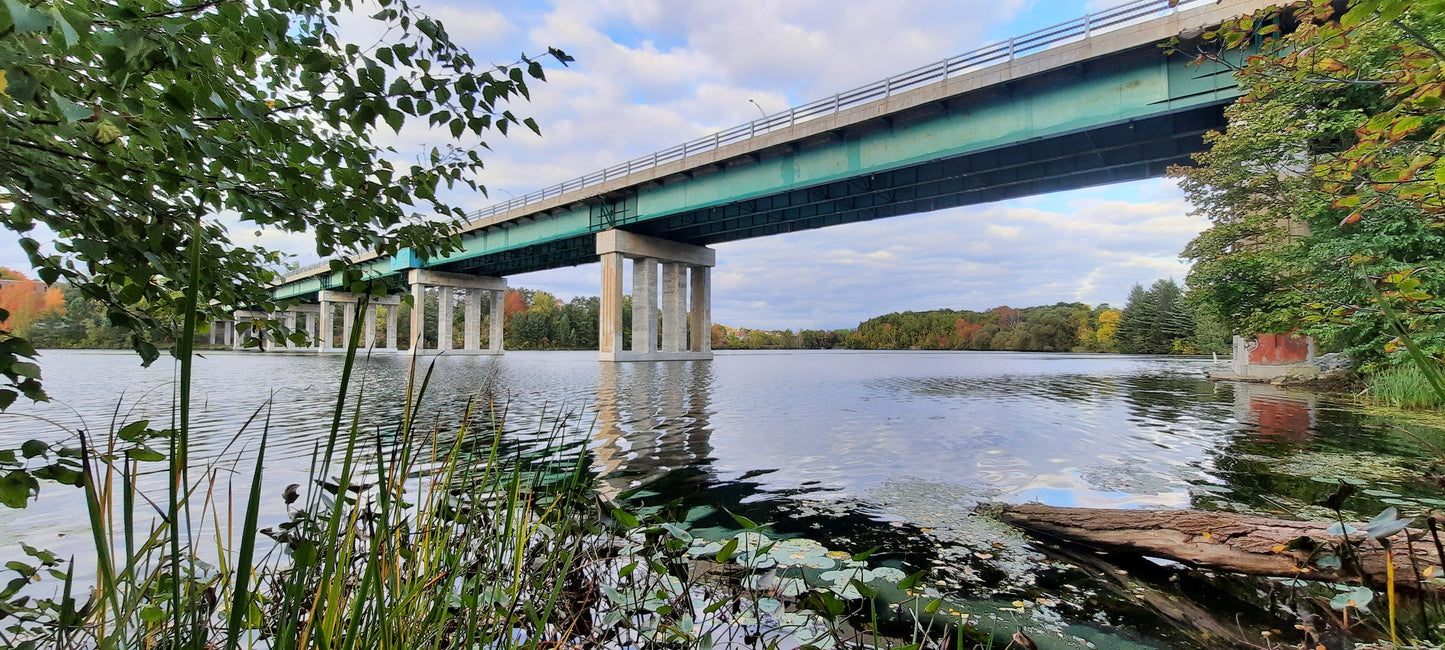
(1155, 321)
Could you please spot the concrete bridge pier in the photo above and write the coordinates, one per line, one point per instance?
(302, 318)
(349, 301)
(221, 331)
(240, 319)
(682, 266)
(447, 284)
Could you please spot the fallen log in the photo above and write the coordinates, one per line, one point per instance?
(1229, 542)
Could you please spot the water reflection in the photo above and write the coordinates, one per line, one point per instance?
(652, 423)
(1275, 413)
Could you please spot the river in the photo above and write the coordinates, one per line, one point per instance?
(856, 449)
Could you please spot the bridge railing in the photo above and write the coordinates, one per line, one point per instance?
(993, 54)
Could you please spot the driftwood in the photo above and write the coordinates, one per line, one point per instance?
(1228, 542)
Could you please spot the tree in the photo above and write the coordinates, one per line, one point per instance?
(1107, 332)
(28, 301)
(1155, 319)
(170, 115)
(513, 302)
(1328, 178)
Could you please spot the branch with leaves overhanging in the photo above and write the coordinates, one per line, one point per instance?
(122, 127)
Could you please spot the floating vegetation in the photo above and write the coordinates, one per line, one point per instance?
(1358, 465)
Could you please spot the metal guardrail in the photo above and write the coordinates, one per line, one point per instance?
(1001, 52)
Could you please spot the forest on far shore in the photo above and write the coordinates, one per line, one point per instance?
(1155, 320)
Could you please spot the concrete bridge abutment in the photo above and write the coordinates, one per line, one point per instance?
(682, 267)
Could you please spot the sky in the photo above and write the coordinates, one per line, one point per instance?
(650, 74)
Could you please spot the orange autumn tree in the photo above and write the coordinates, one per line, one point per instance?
(27, 300)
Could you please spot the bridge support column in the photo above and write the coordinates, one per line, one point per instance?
(446, 283)
(445, 322)
(644, 305)
(324, 338)
(472, 334)
(290, 320)
(243, 316)
(418, 317)
(391, 327)
(368, 328)
(677, 261)
(700, 318)
(238, 337)
(348, 318)
(499, 320)
(313, 329)
(609, 332)
(674, 306)
(304, 319)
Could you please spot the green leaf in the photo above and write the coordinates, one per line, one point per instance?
(145, 454)
(16, 488)
(34, 448)
(26, 18)
(625, 518)
(727, 550)
(25, 369)
(1359, 598)
(71, 111)
(133, 431)
(71, 37)
(395, 119)
(746, 523)
(911, 581)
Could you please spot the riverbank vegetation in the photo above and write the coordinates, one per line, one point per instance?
(1324, 193)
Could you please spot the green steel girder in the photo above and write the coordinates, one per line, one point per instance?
(1125, 116)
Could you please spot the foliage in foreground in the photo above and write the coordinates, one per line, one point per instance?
(170, 115)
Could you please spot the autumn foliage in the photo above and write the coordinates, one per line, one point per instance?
(27, 300)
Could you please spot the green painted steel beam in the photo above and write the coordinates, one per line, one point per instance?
(1127, 88)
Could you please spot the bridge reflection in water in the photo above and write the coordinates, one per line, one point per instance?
(652, 425)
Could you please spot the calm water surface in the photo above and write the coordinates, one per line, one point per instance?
(859, 449)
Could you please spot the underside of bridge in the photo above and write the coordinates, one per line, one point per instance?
(1126, 151)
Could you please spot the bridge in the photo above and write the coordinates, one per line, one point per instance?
(1090, 101)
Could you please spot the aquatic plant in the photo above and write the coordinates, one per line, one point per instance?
(1405, 387)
